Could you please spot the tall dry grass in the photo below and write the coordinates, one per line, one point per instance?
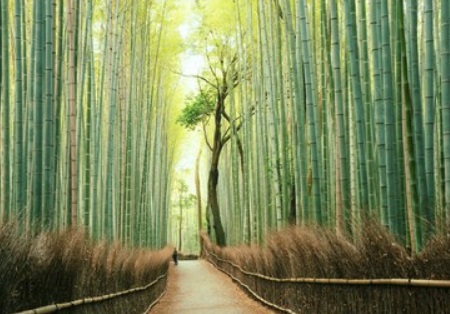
(301, 252)
(59, 267)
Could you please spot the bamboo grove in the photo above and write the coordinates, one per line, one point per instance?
(346, 109)
(85, 101)
(333, 111)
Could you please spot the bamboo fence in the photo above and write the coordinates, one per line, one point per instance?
(339, 295)
(92, 300)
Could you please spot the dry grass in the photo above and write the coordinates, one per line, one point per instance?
(434, 261)
(300, 252)
(60, 267)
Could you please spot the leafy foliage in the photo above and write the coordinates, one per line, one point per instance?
(198, 109)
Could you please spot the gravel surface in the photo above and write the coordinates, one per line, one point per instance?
(197, 287)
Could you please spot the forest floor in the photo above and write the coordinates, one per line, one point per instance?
(197, 287)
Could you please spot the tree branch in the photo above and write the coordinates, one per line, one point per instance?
(210, 63)
(226, 137)
(206, 135)
(199, 77)
(227, 117)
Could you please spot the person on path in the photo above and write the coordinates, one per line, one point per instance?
(175, 257)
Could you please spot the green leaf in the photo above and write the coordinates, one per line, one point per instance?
(198, 108)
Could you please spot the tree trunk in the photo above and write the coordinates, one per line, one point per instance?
(214, 204)
(213, 178)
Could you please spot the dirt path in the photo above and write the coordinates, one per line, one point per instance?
(197, 287)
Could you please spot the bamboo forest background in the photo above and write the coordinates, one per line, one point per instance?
(85, 100)
(346, 117)
(341, 112)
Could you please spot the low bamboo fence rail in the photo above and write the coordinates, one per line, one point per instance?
(338, 295)
(52, 308)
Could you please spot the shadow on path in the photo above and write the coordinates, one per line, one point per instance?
(197, 287)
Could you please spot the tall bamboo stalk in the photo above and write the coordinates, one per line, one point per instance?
(445, 100)
(71, 13)
(5, 177)
(19, 157)
(429, 113)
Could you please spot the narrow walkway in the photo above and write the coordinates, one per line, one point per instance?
(197, 287)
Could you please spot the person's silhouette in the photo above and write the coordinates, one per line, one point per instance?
(175, 257)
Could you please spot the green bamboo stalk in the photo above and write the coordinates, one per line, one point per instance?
(429, 114)
(445, 100)
(367, 96)
(88, 110)
(293, 201)
(267, 39)
(358, 105)
(342, 159)
(236, 188)
(71, 24)
(285, 171)
(30, 118)
(298, 123)
(2, 214)
(48, 175)
(310, 107)
(379, 108)
(38, 101)
(58, 105)
(247, 179)
(389, 124)
(330, 143)
(413, 76)
(397, 33)
(19, 157)
(410, 184)
(325, 69)
(110, 212)
(439, 165)
(98, 200)
(5, 201)
(301, 123)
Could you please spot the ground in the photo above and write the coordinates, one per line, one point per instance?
(197, 287)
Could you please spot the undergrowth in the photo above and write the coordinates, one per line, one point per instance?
(319, 253)
(65, 266)
(309, 252)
